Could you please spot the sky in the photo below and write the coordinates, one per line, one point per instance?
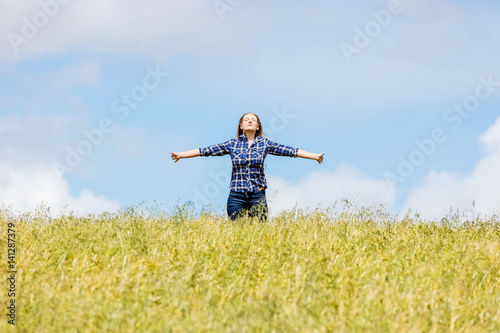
(403, 97)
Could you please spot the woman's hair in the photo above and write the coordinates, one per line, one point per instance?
(258, 132)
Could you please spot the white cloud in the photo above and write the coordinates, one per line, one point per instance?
(431, 50)
(87, 73)
(154, 27)
(26, 176)
(57, 83)
(442, 191)
(24, 189)
(423, 54)
(326, 188)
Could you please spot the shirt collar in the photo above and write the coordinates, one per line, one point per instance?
(244, 137)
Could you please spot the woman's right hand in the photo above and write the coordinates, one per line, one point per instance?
(185, 154)
(175, 156)
(319, 158)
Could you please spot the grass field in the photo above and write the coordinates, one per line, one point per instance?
(354, 271)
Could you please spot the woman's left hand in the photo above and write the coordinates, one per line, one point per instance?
(319, 158)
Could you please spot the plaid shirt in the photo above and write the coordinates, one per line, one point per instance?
(248, 163)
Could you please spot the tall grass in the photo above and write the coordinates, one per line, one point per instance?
(316, 271)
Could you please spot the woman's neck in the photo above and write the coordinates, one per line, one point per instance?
(250, 135)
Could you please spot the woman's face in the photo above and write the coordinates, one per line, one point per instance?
(249, 122)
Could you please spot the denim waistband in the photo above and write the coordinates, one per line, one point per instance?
(262, 190)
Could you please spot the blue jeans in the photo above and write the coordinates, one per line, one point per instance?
(255, 203)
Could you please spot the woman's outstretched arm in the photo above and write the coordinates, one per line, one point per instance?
(187, 154)
(220, 149)
(305, 154)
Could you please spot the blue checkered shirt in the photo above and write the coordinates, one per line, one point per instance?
(248, 162)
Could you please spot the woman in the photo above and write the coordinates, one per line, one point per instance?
(248, 151)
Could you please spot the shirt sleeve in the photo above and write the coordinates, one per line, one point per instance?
(280, 149)
(216, 150)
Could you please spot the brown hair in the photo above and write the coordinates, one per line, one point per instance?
(258, 132)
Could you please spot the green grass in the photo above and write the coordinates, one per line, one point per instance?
(318, 271)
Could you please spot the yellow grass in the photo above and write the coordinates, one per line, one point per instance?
(318, 271)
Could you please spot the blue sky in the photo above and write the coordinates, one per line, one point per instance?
(365, 82)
